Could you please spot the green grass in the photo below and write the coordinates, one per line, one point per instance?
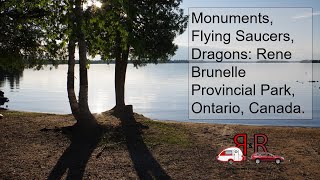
(21, 114)
(158, 133)
(113, 137)
(14, 114)
(162, 133)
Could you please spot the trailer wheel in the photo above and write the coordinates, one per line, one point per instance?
(258, 161)
(278, 161)
(230, 161)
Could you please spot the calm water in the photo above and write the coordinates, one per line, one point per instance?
(157, 91)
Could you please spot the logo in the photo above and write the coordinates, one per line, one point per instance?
(235, 154)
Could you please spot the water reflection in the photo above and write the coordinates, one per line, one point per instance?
(13, 78)
(156, 91)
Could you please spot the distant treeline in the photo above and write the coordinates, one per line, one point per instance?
(309, 61)
(183, 61)
(187, 61)
(131, 62)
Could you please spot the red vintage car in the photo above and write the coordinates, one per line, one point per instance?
(265, 156)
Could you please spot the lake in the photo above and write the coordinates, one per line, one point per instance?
(156, 91)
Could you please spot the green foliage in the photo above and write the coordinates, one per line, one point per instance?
(155, 24)
(24, 41)
(37, 31)
(147, 28)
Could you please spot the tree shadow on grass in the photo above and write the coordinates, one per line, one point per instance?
(76, 156)
(145, 164)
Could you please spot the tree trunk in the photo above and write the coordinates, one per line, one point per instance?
(120, 78)
(86, 118)
(120, 74)
(83, 90)
(70, 80)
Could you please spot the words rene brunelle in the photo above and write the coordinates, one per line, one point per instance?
(226, 78)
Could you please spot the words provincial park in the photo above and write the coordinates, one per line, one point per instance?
(167, 89)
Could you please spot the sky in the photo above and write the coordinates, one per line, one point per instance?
(182, 40)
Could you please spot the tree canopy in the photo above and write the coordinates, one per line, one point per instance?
(23, 39)
(146, 28)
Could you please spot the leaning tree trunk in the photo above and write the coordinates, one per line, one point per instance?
(86, 118)
(70, 79)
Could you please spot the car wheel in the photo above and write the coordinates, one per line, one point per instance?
(230, 161)
(278, 161)
(258, 161)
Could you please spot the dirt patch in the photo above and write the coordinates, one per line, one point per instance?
(32, 143)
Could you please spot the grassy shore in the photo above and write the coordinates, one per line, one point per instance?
(32, 143)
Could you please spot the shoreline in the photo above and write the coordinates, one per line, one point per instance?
(251, 125)
(192, 122)
(32, 144)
